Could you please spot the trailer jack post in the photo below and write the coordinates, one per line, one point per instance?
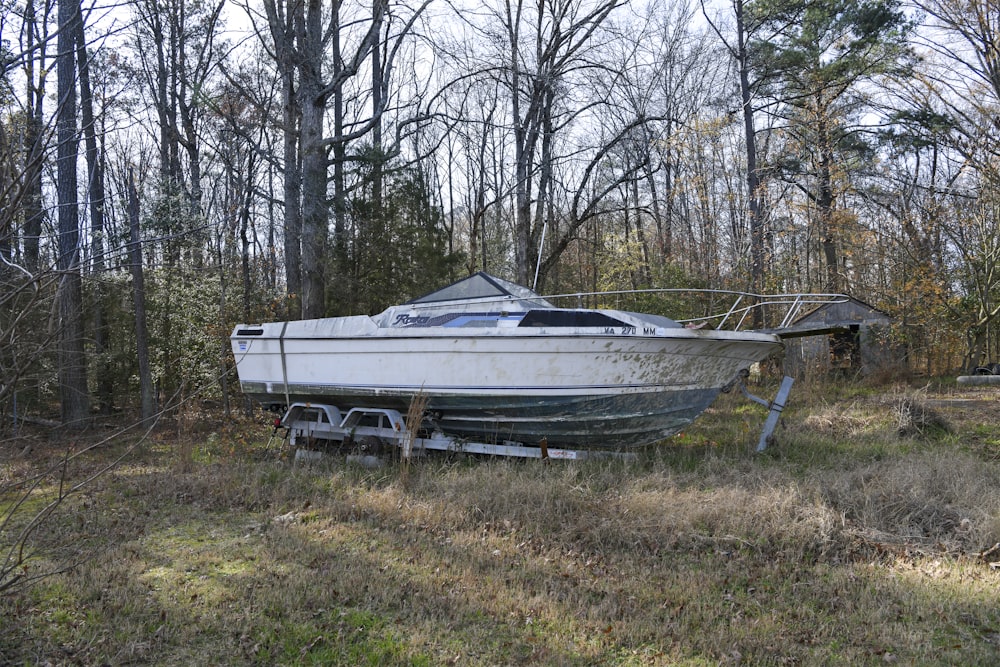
(775, 407)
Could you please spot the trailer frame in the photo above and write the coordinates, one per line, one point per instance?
(313, 427)
(371, 432)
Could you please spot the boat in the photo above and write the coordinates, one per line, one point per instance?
(496, 362)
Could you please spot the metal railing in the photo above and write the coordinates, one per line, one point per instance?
(743, 304)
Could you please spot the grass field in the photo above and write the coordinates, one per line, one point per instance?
(865, 536)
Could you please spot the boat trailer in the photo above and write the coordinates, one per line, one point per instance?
(368, 434)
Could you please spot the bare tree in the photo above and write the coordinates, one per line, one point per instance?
(560, 113)
(147, 399)
(303, 38)
(75, 398)
(739, 51)
(545, 43)
(97, 200)
(281, 23)
(176, 44)
(34, 40)
(961, 94)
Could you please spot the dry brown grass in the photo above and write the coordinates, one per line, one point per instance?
(843, 544)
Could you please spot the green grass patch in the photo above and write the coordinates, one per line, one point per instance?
(336, 637)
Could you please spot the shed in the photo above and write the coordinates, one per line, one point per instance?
(848, 336)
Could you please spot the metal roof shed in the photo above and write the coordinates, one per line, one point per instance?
(849, 336)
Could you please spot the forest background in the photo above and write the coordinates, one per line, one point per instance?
(169, 168)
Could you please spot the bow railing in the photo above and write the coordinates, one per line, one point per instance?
(741, 305)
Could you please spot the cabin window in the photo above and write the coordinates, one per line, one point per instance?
(569, 318)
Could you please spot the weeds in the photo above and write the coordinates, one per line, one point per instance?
(844, 544)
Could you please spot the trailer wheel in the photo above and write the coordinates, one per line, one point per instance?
(372, 445)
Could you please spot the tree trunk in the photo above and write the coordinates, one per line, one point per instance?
(343, 276)
(72, 359)
(245, 182)
(523, 154)
(754, 206)
(378, 217)
(34, 150)
(160, 83)
(95, 173)
(315, 213)
(147, 399)
(292, 178)
(825, 209)
(224, 352)
(377, 166)
(662, 230)
(283, 22)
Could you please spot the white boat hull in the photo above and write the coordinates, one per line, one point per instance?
(581, 387)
